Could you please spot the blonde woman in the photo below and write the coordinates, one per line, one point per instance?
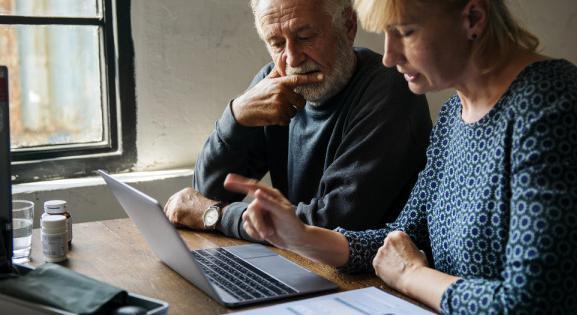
(495, 209)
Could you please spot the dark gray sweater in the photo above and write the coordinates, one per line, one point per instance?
(350, 162)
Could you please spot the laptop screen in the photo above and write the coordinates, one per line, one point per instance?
(5, 180)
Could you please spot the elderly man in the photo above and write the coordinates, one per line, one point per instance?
(342, 137)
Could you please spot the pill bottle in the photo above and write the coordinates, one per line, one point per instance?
(58, 207)
(54, 235)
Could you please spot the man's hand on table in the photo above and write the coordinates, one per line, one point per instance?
(185, 208)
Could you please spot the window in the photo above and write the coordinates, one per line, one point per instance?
(72, 104)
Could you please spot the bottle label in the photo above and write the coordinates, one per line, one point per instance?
(54, 245)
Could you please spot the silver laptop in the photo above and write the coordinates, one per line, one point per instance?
(233, 276)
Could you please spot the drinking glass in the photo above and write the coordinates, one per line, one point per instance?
(22, 216)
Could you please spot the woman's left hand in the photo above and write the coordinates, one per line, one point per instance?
(397, 259)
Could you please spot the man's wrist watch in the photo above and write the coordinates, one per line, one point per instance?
(212, 215)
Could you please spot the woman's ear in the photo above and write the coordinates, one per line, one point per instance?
(475, 16)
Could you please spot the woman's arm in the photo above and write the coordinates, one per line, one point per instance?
(272, 218)
(404, 268)
(428, 286)
(325, 246)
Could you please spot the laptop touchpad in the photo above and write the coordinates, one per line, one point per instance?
(289, 273)
(250, 251)
(281, 268)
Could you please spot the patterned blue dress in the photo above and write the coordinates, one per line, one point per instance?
(496, 204)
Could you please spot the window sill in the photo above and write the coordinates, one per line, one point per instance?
(89, 199)
(63, 184)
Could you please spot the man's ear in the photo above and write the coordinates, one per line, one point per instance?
(350, 24)
(475, 18)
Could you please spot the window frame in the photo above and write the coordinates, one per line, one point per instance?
(118, 85)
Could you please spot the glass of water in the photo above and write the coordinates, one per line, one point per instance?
(22, 216)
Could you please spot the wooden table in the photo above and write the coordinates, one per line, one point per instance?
(115, 252)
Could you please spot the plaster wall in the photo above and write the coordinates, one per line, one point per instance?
(192, 57)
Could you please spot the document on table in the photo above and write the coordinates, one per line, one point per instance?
(367, 301)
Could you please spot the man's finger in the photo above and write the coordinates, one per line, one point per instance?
(301, 79)
(296, 100)
(167, 204)
(165, 209)
(291, 111)
(279, 66)
(274, 74)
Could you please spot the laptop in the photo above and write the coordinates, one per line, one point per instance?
(234, 275)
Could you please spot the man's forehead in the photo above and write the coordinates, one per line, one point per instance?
(270, 12)
(278, 18)
(282, 4)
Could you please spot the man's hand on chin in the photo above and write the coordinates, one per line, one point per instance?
(185, 208)
(273, 100)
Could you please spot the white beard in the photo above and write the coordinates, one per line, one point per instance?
(334, 81)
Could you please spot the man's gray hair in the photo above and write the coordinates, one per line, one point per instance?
(334, 8)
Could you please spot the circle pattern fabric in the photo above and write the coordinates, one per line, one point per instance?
(496, 204)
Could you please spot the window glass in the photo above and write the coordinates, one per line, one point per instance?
(55, 84)
(56, 8)
(71, 79)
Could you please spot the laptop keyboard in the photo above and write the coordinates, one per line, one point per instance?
(237, 277)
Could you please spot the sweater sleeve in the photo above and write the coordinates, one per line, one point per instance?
(381, 152)
(541, 251)
(231, 148)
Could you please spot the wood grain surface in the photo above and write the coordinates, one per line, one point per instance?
(115, 252)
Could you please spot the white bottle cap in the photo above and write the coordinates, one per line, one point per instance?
(54, 222)
(55, 206)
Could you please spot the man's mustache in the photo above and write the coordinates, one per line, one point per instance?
(304, 69)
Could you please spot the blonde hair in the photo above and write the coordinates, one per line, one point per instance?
(502, 36)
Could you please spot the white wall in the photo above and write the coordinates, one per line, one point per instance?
(193, 56)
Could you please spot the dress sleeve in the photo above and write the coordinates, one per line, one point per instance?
(230, 148)
(363, 245)
(541, 252)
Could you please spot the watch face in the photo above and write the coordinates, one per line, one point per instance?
(210, 217)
